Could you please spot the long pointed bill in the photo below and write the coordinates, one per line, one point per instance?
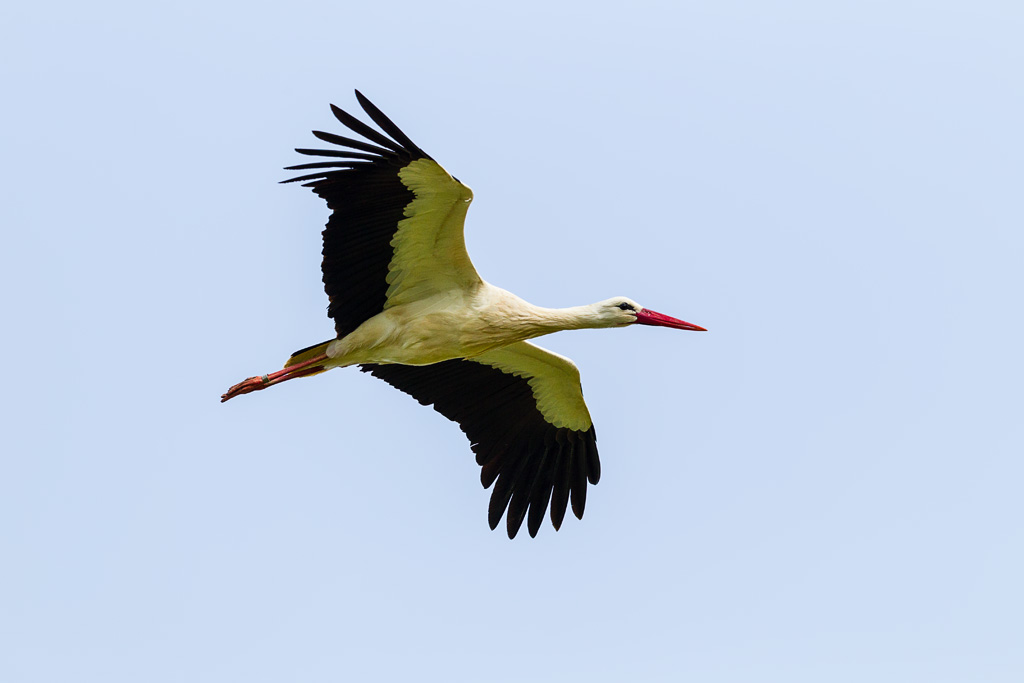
(648, 317)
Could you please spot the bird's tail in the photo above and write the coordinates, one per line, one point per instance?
(305, 354)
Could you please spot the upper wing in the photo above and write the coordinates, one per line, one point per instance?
(395, 231)
(522, 408)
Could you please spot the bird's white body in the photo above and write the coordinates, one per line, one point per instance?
(462, 324)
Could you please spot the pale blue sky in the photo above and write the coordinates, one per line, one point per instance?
(826, 486)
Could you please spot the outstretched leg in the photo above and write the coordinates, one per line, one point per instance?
(309, 367)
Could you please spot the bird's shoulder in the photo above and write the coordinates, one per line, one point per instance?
(430, 182)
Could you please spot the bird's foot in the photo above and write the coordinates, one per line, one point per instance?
(247, 386)
(303, 369)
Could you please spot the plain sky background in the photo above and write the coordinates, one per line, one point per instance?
(826, 486)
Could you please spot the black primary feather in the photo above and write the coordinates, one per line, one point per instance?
(530, 461)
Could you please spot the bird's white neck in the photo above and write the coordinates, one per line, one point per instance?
(524, 320)
(573, 318)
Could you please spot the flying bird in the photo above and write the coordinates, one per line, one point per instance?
(409, 307)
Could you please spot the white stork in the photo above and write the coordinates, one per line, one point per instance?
(409, 308)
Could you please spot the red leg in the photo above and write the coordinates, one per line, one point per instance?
(309, 367)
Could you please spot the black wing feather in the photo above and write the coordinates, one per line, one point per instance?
(357, 126)
(349, 142)
(367, 200)
(387, 125)
(529, 460)
(324, 164)
(336, 153)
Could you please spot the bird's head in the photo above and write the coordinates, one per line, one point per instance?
(621, 311)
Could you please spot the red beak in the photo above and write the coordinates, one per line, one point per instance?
(649, 317)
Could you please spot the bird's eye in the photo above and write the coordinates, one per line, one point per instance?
(626, 307)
